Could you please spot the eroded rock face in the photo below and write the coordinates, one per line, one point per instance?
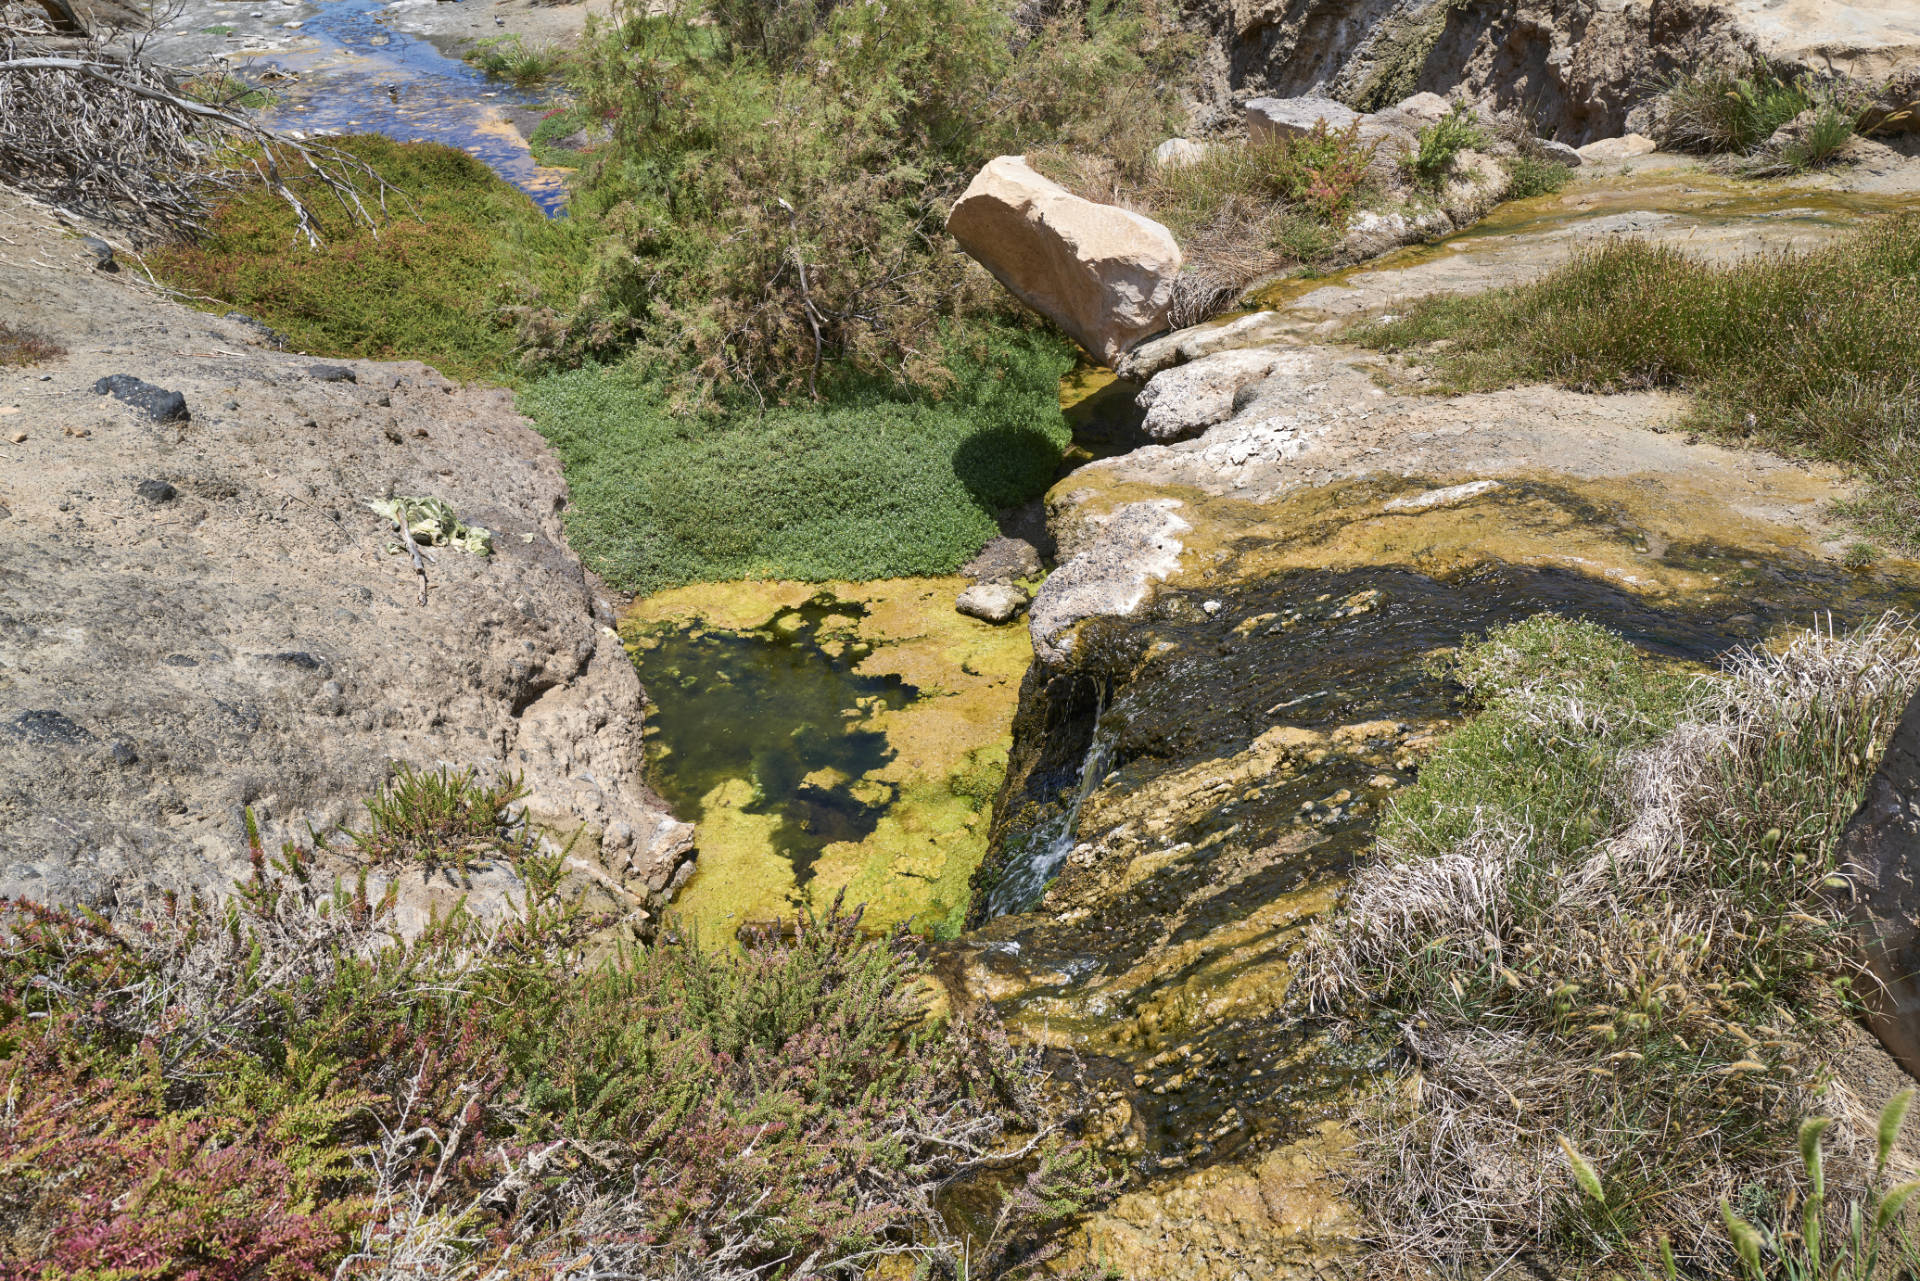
(1587, 70)
(236, 631)
(1105, 275)
(1879, 852)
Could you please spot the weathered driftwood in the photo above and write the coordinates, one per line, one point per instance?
(91, 123)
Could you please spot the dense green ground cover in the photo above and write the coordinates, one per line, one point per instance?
(877, 483)
(1810, 352)
(460, 245)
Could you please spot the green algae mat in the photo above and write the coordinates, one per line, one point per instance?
(827, 739)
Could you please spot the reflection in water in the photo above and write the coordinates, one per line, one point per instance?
(781, 706)
(360, 76)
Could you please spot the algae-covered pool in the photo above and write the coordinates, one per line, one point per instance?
(827, 738)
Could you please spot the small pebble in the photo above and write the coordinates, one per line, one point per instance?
(18, 438)
(1212, 607)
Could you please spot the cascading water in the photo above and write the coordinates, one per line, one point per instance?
(1045, 848)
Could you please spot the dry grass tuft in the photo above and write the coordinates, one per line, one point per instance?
(1605, 915)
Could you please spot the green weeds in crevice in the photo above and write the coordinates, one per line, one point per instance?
(1530, 176)
(1603, 924)
(524, 65)
(1809, 352)
(284, 1084)
(1720, 111)
(440, 818)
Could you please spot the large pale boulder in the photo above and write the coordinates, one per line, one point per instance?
(1103, 274)
(1612, 150)
(1293, 117)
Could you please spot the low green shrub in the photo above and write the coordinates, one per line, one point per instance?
(1438, 148)
(436, 818)
(777, 175)
(1530, 176)
(876, 483)
(458, 247)
(283, 1085)
(1602, 925)
(1810, 352)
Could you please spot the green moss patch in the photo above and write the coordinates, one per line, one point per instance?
(874, 485)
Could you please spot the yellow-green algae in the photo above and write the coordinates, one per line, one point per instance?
(945, 751)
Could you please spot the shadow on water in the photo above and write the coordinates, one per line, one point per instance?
(773, 705)
(361, 76)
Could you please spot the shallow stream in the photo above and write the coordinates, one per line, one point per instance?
(351, 69)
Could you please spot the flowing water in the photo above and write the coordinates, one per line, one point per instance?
(352, 71)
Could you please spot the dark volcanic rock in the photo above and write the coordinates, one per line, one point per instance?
(161, 405)
(156, 491)
(332, 374)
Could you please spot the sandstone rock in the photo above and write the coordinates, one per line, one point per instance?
(1192, 397)
(1548, 149)
(1613, 150)
(992, 602)
(1149, 358)
(199, 627)
(1002, 560)
(1295, 117)
(1178, 153)
(1103, 274)
(1426, 106)
(1879, 852)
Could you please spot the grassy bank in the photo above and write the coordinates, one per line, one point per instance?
(282, 1086)
(1601, 926)
(459, 250)
(1812, 353)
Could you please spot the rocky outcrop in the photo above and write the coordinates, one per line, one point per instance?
(1879, 855)
(1105, 275)
(1586, 70)
(1184, 401)
(200, 616)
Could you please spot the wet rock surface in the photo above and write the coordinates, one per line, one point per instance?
(1235, 674)
(200, 616)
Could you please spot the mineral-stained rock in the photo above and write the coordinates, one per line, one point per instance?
(1183, 345)
(1108, 571)
(992, 602)
(1002, 560)
(1879, 852)
(1103, 274)
(1183, 401)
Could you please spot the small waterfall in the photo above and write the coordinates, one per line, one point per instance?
(1044, 848)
